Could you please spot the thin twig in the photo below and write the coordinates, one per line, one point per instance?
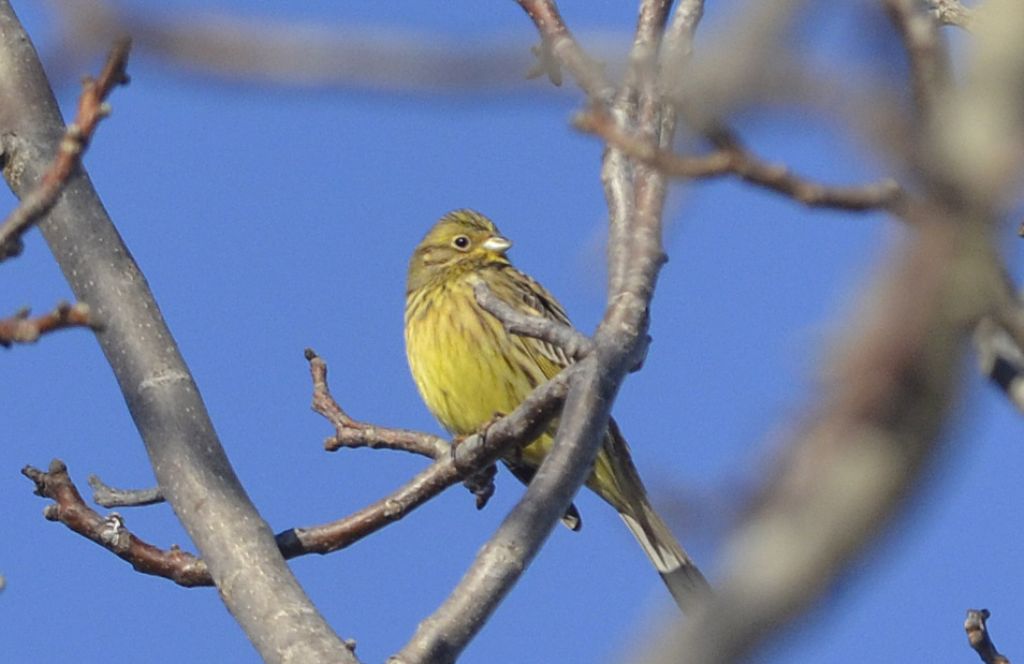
(979, 638)
(559, 49)
(20, 328)
(736, 160)
(354, 434)
(350, 433)
(105, 495)
(109, 532)
(92, 108)
(573, 343)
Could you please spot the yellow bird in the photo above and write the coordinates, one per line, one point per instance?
(468, 369)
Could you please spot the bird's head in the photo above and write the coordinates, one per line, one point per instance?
(460, 240)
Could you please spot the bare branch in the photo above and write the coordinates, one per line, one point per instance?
(304, 54)
(568, 339)
(189, 463)
(559, 49)
(109, 532)
(91, 109)
(735, 159)
(978, 637)
(471, 457)
(353, 434)
(465, 460)
(108, 496)
(856, 459)
(19, 328)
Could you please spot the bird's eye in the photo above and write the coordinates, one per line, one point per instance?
(460, 242)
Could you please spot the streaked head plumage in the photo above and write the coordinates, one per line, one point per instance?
(460, 240)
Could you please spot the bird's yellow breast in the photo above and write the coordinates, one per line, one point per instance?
(463, 362)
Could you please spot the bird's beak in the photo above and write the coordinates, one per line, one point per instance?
(497, 244)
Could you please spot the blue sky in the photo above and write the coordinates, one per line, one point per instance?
(271, 219)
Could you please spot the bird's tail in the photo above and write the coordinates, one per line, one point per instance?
(622, 488)
(680, 574)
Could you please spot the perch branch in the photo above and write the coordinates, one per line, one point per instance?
(635, 258)
(353, 434)
(472, 456)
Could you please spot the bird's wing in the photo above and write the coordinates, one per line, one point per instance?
(527, 296)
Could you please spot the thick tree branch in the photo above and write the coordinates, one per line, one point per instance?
(20, 328)
(978, 636)
(187, 458)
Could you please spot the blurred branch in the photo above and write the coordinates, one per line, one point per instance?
(929, 60)
(91, 109)
(19, 328)
(309, 54)
(860, 454)
(857, 457)
(164, 401)
(978, 637)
